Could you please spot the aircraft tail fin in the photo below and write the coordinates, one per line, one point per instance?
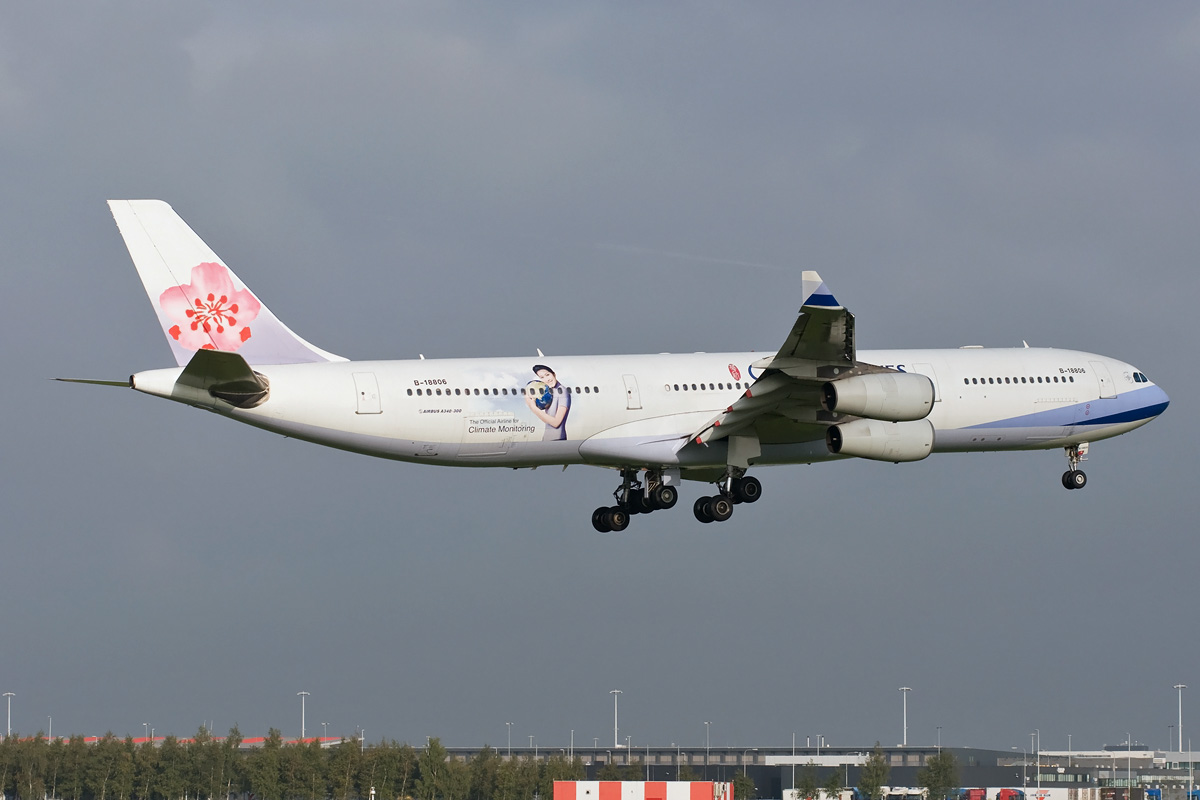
(201, 304)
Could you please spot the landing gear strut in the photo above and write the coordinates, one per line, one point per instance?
(735, 487)
(1074, 478)
(634, 497)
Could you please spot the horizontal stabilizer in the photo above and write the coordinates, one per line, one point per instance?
(124, 383)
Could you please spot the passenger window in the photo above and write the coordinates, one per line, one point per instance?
(586, 389)
(439, 391)
(677, 387)
(1072, 378)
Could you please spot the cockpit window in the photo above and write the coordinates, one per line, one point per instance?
(1140, 378)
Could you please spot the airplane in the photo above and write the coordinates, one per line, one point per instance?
(655, 419)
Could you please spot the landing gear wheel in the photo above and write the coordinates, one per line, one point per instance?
(1074, 479)
(746, 489)
(600, 520)
(644, 504)
(721, 508)
(665, 497)
(617, 519)
(703, 509)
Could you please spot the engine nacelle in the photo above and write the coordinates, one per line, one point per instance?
(891, 396)
(882, 441)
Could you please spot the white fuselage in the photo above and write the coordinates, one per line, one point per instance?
(630, 411)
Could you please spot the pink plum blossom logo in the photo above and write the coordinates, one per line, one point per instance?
(210, 313)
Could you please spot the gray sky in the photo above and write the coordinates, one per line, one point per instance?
(472, 180)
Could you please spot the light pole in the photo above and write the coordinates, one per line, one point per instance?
(904, 690)
(744, 752)
(1129, 765)
(1068, 751)
(324, 731)
(616, 740)
(706, 749)
(1038, 750)
(50, 729)
(939, 727)
(571, 751)
(1024, 761)
(1179, 687)
(302, 696)
(8, 728)
(146, 725)
(509, 724)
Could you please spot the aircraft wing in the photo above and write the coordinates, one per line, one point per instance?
(784, 402)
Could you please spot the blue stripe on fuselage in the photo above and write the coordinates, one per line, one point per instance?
(1139, 404)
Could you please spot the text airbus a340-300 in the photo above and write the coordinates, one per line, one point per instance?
(656, 419)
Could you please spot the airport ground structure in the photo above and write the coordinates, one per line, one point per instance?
(274, 768)
(1119, 773)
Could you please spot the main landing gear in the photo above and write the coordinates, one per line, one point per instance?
(1074, 478)
(634, 497)
(733, 489)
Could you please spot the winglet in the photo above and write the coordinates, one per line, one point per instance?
(816, 293)
(200, 303)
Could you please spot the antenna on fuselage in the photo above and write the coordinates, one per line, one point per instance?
(540, 353)
(1025, 343)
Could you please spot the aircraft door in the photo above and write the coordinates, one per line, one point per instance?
(1107, 387)
(367, 389)
(633, 398)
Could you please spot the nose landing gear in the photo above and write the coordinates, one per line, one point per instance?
(1074, 478)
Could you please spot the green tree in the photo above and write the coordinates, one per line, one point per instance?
(343, 767)
(874, 774)
(70, 767)
(609, 772)
(263, 768)
(743, 787)
(485, 774)
(806, 783)
(145, 767)
(833, 784)
(29, 780)
(103, 761)
(122, 787)
(431, 771)
(939, 775)
(686, 773)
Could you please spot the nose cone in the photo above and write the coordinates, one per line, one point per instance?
(1158, 399)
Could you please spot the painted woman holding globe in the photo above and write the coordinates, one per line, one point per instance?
(550, 401)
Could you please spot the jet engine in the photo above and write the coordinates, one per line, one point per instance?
(892, 396)
(881, 441)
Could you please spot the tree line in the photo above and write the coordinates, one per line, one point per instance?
(206, 768)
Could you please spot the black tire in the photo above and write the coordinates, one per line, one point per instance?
(617, 519)
(703, 509)
(665, 497)
(721, 509)
(645, 503)
(1078, 479)
(747, 489)
(600, 520)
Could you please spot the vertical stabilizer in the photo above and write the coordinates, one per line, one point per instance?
(200, 303)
